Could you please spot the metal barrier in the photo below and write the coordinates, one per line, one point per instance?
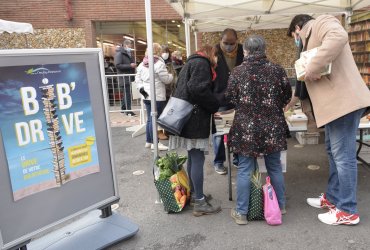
(123, 95)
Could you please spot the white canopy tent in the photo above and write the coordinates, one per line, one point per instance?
(15, 27)
(216, 15)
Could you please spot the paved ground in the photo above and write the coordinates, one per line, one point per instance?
(300, 230)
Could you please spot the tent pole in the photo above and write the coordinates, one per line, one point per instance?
(187, 37)
(149, 35)
(196, 40)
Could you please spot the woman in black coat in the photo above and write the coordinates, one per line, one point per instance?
(195, 86)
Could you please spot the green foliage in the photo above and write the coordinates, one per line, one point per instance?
(170, 164)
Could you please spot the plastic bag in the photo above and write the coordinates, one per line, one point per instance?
(271, 206)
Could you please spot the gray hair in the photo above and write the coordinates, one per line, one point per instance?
(127, 42)
(254, 44)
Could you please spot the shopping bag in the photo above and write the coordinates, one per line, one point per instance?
(174, 191)
(255, 209)
(271, 206)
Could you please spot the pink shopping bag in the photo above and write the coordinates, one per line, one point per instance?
(271, 205)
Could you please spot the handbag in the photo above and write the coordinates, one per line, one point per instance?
(255, 208)
(271, 206)
(175, 115)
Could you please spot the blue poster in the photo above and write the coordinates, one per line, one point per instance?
(47, 126)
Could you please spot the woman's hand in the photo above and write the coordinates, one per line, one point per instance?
(291, 104)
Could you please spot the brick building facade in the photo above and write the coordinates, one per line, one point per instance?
(71, 23)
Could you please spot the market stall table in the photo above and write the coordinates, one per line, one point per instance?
(362, 127)
(226, 129)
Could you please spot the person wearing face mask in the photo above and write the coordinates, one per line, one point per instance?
(162, 134)
(161, 79)
(125, 64)
(339, 100)
(306, 102)
(167, 59)
(229, 55)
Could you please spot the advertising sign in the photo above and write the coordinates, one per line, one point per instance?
(47, 125)
(56, 159)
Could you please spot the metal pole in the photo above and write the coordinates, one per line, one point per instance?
(187, 37)
(196, 40)
(134, 36)
(149, 35)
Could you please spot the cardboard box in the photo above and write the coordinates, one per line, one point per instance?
(306, 138)
(298, 120)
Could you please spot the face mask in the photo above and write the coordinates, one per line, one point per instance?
(128, 49)
(179, 58)
(297, 42)
(165, 56)
(229, 48)
(105, 65)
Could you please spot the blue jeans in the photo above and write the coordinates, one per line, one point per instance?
(219, 150)
(126, 97)
(195, 172)
(125, 82)
(246, 167)
(340, 140)
(149, 123)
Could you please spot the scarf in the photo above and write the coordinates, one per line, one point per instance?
(256, 58)
(231, 54)
(146, 61)
(212, 68)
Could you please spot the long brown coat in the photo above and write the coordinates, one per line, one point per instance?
(343, 91)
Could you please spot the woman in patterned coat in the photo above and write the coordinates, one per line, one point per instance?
(259, 90)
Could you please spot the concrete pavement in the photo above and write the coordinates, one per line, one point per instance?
(300, 230)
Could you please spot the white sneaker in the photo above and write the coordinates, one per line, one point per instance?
(161, 147)
(148, 145)
(338, 217)
(320, 202)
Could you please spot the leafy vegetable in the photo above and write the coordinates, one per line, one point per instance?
(170, 164)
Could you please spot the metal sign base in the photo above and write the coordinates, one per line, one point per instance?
(89, 232)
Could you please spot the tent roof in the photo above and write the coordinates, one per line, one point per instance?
(15, 27)
(216, 15)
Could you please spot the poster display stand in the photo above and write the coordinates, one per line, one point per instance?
(56, 159)
(90, 232)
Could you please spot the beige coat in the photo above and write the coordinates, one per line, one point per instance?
(343, 91)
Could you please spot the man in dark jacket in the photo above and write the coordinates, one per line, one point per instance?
(125, 64)
(229, 55)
